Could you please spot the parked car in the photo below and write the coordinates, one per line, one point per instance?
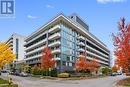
(127, 74)
(23, 74)
(15, 73)
(119, 73)
(0, 73)
(3, 71)
(113, 74)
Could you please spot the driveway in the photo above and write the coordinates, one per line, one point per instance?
(35, 82)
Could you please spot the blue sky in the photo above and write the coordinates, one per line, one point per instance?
(101, 15)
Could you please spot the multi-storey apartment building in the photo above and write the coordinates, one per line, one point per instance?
(68, 37)
(16, 42)
(17, 45)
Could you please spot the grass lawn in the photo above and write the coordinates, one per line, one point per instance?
(124, 82)
(4, 83)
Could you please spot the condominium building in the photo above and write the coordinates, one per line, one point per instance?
(16, 42)
(67, 37)
(17, 45)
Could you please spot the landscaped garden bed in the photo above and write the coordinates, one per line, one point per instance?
(124, 82)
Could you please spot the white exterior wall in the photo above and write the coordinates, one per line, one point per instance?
(21, 43)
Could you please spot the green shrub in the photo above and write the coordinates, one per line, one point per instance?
(106, 70)
(27, 68)
(63, 75)
(36, 70)
(54, 73)
(70, 72)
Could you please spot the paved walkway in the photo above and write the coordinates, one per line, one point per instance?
(35, 82)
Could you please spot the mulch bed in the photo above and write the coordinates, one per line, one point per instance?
(124, 82)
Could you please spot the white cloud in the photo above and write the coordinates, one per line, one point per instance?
(31, 17)
(50, 6)
(110, 1)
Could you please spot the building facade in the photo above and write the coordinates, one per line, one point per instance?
(17, 45)
(67, 37)
(16, 42)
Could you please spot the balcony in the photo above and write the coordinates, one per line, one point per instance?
(36, 50)
(55, 28)
(33, 57)
(97, 56)
(81, 44)
(57, 58)
(56, 43)
(54, 36)
(29, 41)
(96, 51)
(81, 37)
(56, 51)
(36, 44)
(81, 49)
(98, 61)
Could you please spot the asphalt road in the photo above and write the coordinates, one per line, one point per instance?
(35, 82)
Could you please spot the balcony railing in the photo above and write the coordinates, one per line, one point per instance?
(81, 43)
(81, 37)
(55, 28)
(81, 49)
(56, 51)
(36, 50)
(36, 44)
(56, 35)
(97, 56)
(56, 43)
(96, 51)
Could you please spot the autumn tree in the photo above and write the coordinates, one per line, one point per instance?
(122, 46)
(93, 65)
(47, 60)
(115, 68)
(81, 64)
(6, 54)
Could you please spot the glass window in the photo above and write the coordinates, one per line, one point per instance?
(64, 63)
(67, 43)
(66, 50)
(68, 58)
(70, 64)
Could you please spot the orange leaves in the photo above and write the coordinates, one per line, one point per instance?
(83, 65)
(47, 60)
(122, 45)
(6, 55)
(115, 68)
(94, 65)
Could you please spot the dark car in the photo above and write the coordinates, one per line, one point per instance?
(15, 73)
(4, 71)
(127, 74)
(0, 73)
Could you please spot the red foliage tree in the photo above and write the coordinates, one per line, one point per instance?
(94, 65)
(122, 46)
(47, 60)
(81, 63)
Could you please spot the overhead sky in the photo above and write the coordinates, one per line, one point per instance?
(101, 16)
